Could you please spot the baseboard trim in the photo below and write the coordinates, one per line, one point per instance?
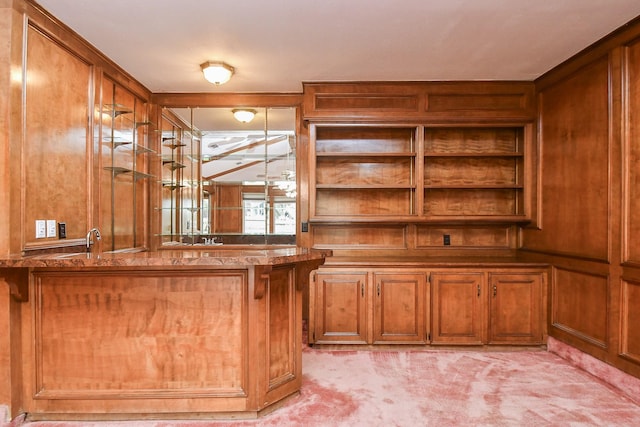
(627, 384)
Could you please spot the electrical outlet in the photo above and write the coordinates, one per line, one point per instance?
(446, 239)
(41, 228)
(62, 230)
(51, 227)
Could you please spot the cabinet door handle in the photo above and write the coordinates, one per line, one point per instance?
(378, 289)
(362, 289)
(495, 290)
(478, 290)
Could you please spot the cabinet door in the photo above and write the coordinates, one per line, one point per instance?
(458, 308)
(516, 308)
(338, 308)
(399, 308)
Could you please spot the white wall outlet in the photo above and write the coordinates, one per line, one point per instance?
(41, 228)
(52, 225)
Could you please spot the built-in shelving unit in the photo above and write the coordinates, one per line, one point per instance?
(474, 173)
(417, 173)
(124, 131)
(181, 188)
(363, 172)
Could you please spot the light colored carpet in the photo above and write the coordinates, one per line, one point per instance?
(434, 388)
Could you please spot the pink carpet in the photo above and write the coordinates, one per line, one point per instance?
(433, 388)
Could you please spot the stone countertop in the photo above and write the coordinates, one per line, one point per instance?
(201, 257)
(520, 260)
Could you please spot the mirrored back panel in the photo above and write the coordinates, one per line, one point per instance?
(228, 180)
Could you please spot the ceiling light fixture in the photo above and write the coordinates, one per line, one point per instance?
(217, 72)
(243, 115)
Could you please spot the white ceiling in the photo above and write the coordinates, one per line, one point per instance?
(276, 45)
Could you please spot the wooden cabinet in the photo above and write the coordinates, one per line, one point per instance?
(366, 307)
(515, 308)
(487, 307)
(339, 301)
(422, 305)
(399, 309)
(458, 309)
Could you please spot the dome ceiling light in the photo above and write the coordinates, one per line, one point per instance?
(243, 115)
(217, 72)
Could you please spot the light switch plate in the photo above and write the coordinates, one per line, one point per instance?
(41, 228)
(52, 225)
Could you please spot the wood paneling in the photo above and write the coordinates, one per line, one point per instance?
(580, 305)
(575, 170)
(631, 242)
(283, 316)
(359, 236)
(113, 336)
(630, 316)
(465, 236)
(55, 168)
(494, 101)
(388, 101)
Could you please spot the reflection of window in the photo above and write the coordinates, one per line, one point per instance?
(256, 220)
(284, 216)
(253, 208)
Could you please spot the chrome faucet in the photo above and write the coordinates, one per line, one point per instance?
(89, 241)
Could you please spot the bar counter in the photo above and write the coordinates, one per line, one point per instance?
(198, 333)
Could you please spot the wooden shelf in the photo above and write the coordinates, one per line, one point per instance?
(474, 186)
(454, 173)
(365, 155)
(434, 154)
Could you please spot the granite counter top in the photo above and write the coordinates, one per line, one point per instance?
(202, 257)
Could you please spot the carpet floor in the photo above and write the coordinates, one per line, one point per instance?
(432, 388)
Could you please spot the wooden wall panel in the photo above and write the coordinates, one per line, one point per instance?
(631, 195)
(630, 316)
(465, 236)
(5, 346)
(282, 364)
(359, 236)
(574, 133)
(55, 146)
(580, 305)
(177, 337)
(403, 101)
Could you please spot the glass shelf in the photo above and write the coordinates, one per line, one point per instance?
(115, 110)
(141, 149)
(172, 164)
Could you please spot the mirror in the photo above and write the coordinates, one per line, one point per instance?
(226, 181)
